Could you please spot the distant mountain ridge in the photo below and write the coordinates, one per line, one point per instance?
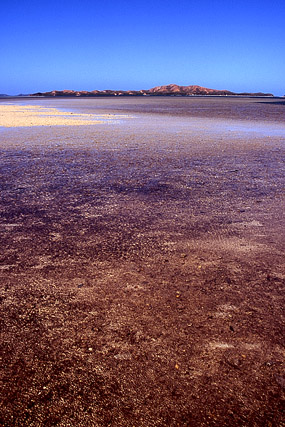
(167, 90)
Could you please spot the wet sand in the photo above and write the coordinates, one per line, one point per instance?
(142, 267)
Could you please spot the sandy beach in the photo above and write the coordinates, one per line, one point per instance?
(142, 263)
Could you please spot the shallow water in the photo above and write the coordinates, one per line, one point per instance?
(263, 109)
(237, 115)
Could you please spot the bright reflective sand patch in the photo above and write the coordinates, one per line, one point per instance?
(226, 311)
(217, 345)
(28, 115)
(220, 345)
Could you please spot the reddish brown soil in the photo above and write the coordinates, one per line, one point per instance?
(141, 286)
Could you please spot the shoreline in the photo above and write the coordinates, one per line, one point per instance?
(140, 96)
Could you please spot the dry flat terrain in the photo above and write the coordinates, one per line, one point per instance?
(142, 265)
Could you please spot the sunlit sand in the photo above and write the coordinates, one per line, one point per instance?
(27, 116)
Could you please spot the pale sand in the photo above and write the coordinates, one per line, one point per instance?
(35, 115)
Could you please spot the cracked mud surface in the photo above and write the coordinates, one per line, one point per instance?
(142, 274)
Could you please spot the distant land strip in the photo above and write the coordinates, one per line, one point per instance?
(168, 90)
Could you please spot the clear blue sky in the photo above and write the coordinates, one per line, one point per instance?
(107, 44)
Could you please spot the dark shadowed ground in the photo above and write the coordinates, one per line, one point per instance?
(142, 271)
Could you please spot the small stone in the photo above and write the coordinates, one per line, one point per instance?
(280, 380)
(234, 362)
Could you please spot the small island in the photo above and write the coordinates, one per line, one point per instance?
(168, 90)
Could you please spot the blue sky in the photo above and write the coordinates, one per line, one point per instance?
(87, 45)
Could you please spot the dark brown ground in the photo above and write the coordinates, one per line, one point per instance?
(142, 277)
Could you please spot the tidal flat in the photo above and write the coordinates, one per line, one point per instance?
(142, 262)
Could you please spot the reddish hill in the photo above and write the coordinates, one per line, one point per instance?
(188, 90)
